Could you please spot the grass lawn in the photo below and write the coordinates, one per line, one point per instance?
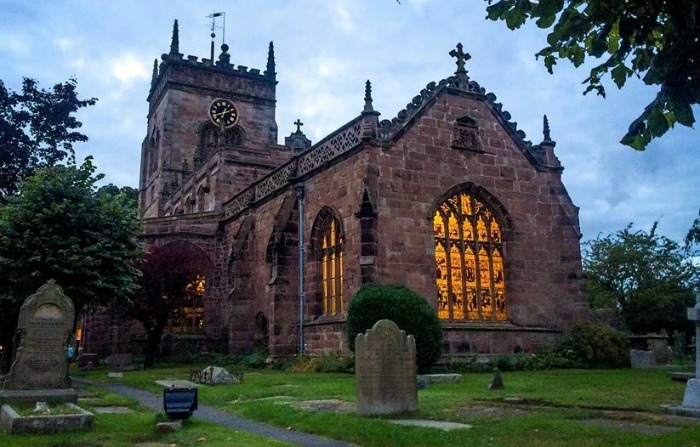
(546, 408)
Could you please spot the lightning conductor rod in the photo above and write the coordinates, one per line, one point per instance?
(213, 17)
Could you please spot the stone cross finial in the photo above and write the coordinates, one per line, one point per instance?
(298, 123)
(462, 57)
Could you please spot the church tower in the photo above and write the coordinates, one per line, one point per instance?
(211, 131)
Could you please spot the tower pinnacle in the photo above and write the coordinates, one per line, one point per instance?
(271, 62)
(175, 42)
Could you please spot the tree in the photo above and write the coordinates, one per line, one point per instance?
(37, 129)
(129, 194)
(655, 40)
(645, 277)
(693, 236)
(172, 278)
(59, 228)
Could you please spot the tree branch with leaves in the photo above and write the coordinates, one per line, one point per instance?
(657, 41)
(37, 129)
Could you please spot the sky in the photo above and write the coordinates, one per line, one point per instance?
(325, 50)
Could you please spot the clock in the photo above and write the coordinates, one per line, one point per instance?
(223, 112)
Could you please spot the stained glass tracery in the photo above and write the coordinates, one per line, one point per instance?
(331, 267)
(468, 260)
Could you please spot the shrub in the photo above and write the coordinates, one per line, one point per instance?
(410, 311)
(255, 360)
(596, 345)
(329, 363)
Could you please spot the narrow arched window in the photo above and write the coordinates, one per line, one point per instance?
(329, 239)
(469, 260)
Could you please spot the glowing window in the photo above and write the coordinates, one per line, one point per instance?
(189, 318)
(469, 261)
(331, 266)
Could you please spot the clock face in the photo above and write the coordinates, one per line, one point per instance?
(223, 112)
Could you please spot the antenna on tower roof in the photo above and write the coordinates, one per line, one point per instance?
(213, 17)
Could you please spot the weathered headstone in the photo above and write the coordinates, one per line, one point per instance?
(123, 362)
(642, 359)
(40, 367)
(497, 380)
(385, 370)
(658, 344)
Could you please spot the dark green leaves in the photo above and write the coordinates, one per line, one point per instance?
(652, 40)
(59, 228)
(37, 129)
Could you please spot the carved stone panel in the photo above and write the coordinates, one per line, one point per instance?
(465, 135)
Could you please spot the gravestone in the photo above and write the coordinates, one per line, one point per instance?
(122, 362)
(39, 370)
(691, 399)
(642, 359)
(692, 386)
(385, 370)
(658, 344)
(497, 380)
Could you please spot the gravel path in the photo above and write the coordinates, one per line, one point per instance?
(212, 414)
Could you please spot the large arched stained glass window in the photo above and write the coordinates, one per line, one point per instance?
(468, 260)
(331, 257)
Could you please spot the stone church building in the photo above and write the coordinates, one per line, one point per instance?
(447, 198)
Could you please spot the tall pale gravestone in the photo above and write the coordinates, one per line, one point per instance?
(385, 370)
(692, 387)
(39, 371)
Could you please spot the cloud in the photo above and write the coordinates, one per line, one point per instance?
(128, 68)
(341, 18)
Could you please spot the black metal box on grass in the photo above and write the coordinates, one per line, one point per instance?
(179, 403)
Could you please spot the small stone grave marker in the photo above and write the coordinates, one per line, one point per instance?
(497, 381)
(385, 370)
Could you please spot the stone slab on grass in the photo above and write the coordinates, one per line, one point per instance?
(111, 410)
(176, 383)
(637, 427)
(442, 378)
(325, 405)
(13, 423)
(440, 425)
(170, 426)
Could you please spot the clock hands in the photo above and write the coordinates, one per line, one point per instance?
(223, 112)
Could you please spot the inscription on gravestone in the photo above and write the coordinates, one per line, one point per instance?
(45, 322)
(385, 370)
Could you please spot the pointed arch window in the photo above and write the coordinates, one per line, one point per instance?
(210, 138)
(469, 260)
(329, 238)
(189, 318)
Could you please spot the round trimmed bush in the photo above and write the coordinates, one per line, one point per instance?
(410, 311)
